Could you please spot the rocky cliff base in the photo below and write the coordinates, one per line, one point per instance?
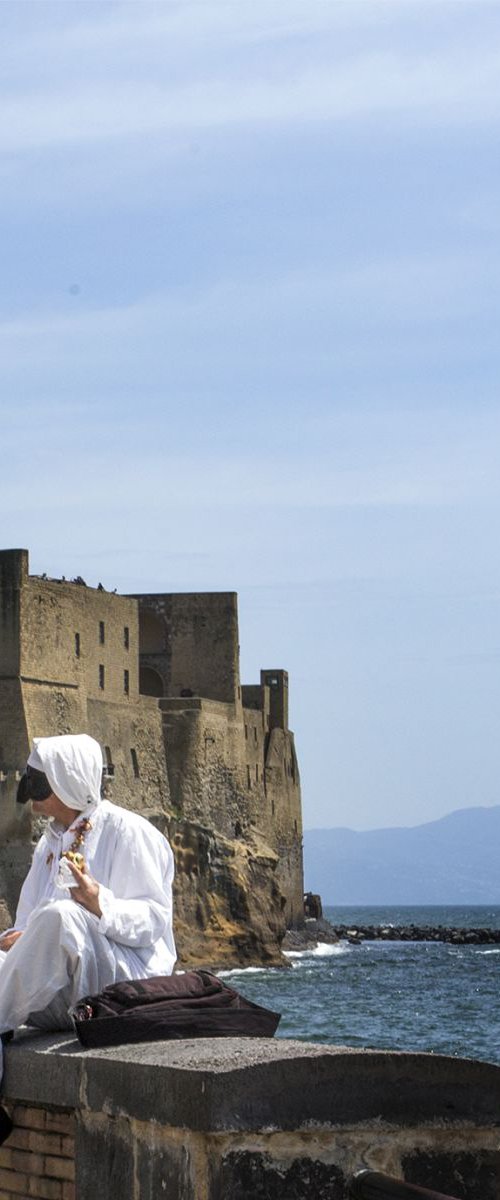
(228, 907)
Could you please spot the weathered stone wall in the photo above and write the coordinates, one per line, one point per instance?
(228, 773)
(78, 670)
(250, 1119)
(206, 763)
(191, 641)
(69, 632)
(131, 737)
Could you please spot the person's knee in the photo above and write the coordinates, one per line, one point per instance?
(57, 918)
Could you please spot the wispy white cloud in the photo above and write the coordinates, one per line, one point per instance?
(209, 27)
(346, 460)
(450, 85)
(297, 307)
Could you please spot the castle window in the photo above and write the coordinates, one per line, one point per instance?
(255, 734)
(101, 676)
(135, 764)
(249, 778)
(257, 772)
(77, 645)
(102, 633)
(295, 826)
(126, 683)
(126, 637)
(246, 731)
(109, 768)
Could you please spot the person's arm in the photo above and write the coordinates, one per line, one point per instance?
(135, 908)
(8, 939)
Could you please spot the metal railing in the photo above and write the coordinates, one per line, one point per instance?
(373, 1185)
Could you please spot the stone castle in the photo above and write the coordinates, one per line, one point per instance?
(155, 678)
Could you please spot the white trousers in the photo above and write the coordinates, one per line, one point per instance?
(59, 958)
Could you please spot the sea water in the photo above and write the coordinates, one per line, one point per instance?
(390, 995)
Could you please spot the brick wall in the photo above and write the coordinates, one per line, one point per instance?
(37, 1161)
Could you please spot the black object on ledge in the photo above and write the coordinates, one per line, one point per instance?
(373, 1185)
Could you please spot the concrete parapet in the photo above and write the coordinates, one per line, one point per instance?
(262, 1119)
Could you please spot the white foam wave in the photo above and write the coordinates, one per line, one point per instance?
(496, 951)
(326, 949)
(322, 950)
(242, 971)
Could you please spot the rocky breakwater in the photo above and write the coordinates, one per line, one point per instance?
(462, 936)
(316, 931)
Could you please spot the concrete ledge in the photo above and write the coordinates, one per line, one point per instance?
(237, 1084)
(249, 1119)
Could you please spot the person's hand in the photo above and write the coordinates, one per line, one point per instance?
(8, 939)
(87, 892)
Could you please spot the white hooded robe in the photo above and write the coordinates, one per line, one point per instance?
(66, 952)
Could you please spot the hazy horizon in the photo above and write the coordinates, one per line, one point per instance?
(374, 828)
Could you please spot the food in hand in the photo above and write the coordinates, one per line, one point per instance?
(75, 858)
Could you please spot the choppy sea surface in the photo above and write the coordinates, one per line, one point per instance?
(390, 995)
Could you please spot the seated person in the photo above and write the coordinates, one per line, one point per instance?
(83, 923)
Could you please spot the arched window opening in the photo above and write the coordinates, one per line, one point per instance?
(150, 682)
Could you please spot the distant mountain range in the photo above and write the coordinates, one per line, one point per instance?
(455, 860)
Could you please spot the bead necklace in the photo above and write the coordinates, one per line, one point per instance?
(81, 830)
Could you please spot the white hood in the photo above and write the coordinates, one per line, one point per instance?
(73, 766)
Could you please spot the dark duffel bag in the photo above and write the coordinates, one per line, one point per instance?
(193, 1005)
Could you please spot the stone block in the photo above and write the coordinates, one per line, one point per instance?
(463, 1175)
(247, 1175)
(166, 1170)
(105, 1158)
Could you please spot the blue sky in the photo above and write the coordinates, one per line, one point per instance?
(249, 341)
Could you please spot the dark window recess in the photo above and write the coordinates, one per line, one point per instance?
(101, 676)
(77, 645)
(135, 764)
(295, 826)
(255, 734)
(102, 633)
(109, 769)
(126, 684)
(126, 637)
(257, 772)
(246, 731)
(249, 778)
